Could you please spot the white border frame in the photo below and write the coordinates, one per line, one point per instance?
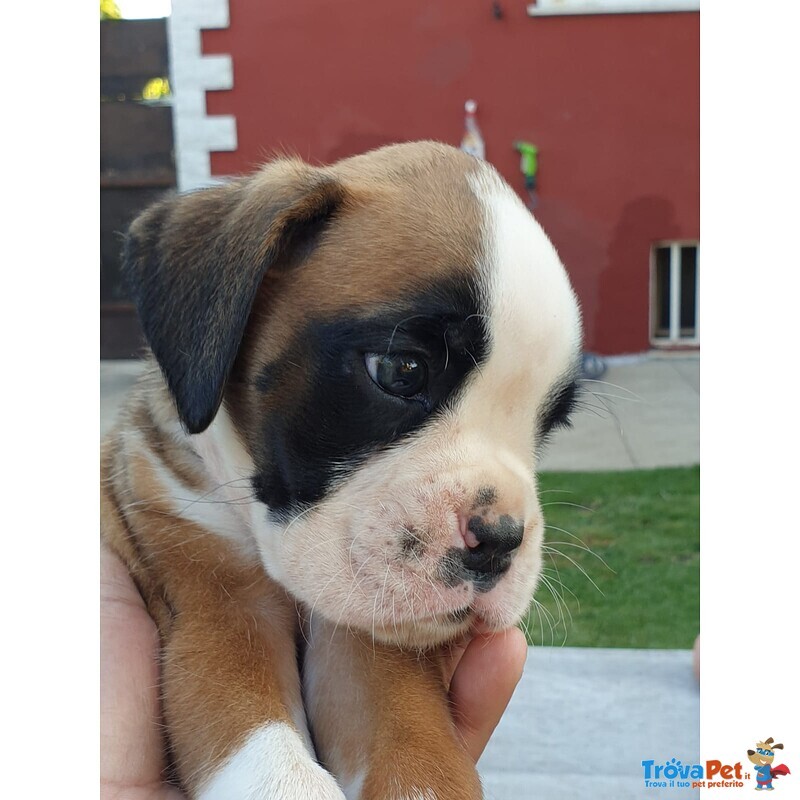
(191, 75)
(552, 8)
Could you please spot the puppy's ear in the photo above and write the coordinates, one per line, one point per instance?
(194, 264)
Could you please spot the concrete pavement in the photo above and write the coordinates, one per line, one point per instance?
(582, 720)
(644, 412)
(116, 378)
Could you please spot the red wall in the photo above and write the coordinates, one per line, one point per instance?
(612, 102)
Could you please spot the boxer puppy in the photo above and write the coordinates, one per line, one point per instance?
(328, 470)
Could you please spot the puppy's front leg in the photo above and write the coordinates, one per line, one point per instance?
(231, 695)
(230, 684)
(381, 722)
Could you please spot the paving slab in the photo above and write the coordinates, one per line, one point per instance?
(642, 413)
(582, 720)
(116, 379)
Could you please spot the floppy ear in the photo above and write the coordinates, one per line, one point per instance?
(194, 264)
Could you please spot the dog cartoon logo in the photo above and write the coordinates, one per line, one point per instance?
(762, 757)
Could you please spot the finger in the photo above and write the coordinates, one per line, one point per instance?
(483, 683)
(451, 656)
(131, 746)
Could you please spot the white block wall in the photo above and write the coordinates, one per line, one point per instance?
(192, 75)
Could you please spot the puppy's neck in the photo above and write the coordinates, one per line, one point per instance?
(203, 478)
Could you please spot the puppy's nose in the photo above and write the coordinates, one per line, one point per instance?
(490, 543)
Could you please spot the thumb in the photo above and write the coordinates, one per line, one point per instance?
(483, 683)
(131, 747)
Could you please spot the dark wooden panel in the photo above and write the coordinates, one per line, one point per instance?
(118, 207)
(131, 53)
(136, 145)
(120, 332)
(136, 162)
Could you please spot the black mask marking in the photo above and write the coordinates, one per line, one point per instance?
(344, 416)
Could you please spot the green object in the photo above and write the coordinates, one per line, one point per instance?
(644, 525)
(529, 162)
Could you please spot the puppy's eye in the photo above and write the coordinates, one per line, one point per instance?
(400, 373)
(561, 404)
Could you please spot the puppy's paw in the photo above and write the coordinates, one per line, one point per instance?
(273, 764)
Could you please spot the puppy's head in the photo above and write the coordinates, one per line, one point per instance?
(392, 338)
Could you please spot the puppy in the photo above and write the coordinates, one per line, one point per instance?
(330, 471)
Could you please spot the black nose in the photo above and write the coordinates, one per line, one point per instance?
(491, 556)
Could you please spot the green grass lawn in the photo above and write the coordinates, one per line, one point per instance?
(645, 526)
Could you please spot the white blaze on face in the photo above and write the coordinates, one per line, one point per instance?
(534, 321)
(534, 340)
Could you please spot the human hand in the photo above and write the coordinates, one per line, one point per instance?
(131, 744)
(482, 676)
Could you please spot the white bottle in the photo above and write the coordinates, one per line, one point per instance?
(472, 142)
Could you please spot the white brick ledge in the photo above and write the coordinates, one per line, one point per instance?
(192, 74)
